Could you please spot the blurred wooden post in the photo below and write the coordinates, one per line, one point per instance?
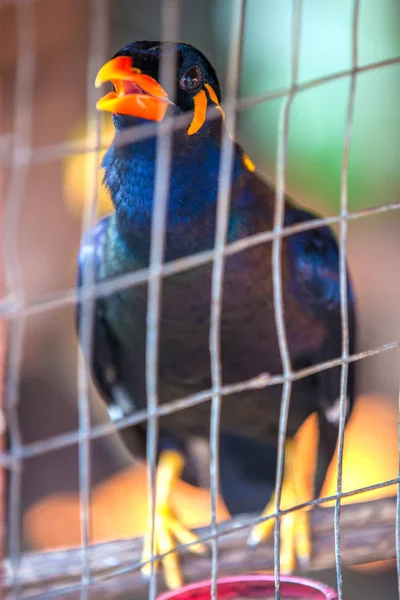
(2, 356)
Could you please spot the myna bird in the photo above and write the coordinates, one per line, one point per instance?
(120, 243)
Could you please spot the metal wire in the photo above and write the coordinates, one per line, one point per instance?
(16, 308)
(58, 151)
(97, 431)
(343, 292)
(277, 283)
(223, 204)
(98, 47)
(23, 117)
(245, 524)
(170, 26)
(52, 301)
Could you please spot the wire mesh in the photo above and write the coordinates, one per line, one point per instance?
(98, 46)
(277, 283)
(223, 203)
(170, 29)
(12, 274)
(343, 291)
(15, 308)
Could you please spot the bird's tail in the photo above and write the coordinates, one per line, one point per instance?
(328, 437)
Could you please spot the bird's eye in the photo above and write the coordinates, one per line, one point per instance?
(192, 79)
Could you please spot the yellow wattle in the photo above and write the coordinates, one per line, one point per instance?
(200, 111)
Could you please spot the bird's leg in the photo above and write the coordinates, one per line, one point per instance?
(168, 531)
(295, 526)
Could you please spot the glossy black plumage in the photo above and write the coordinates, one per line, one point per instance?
(249, 345)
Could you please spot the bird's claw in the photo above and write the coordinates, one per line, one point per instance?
(295, 526)
(295, 536)
(168, 531)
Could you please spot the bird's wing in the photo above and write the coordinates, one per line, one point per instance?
(315, 260)
(104, 352)
(316, 265)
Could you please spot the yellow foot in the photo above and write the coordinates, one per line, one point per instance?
(295, 526)
(168, 530)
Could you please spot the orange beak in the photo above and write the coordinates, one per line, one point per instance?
(136, 94)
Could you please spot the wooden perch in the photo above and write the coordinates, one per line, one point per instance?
(367, 535)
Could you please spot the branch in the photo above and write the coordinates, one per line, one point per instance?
(367, 535)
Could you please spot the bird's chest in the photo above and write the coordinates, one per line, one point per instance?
(183, 330)
(247, 329)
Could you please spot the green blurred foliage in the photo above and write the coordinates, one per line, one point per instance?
(318, 116)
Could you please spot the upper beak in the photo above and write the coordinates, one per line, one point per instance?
(136, 94)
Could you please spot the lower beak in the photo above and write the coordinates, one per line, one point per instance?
(136, 94)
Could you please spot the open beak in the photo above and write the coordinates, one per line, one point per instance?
(136, 94)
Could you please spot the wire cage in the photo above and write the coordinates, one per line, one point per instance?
(18, 155)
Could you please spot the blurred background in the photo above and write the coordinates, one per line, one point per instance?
(48, 228)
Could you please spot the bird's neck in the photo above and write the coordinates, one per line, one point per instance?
(192, 195)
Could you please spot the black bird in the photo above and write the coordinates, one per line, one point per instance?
(120, 244)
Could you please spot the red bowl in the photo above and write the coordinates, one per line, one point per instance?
(254, 587)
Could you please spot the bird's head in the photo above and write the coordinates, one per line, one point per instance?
(134, 72)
